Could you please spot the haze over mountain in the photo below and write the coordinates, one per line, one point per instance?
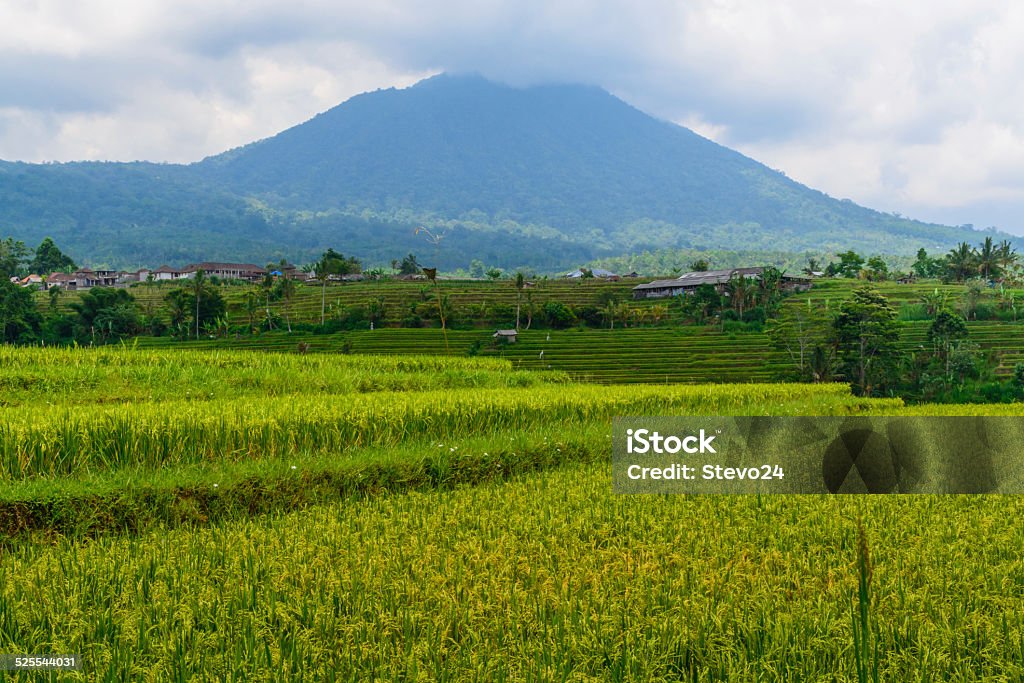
(546, 177)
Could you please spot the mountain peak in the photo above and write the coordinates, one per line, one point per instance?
(553, 174)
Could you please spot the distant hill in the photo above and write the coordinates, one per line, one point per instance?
(546, 177)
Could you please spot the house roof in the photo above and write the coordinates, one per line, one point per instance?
(166, 269)
(664, 284)
(506, 333)
(597, 272)
(709, 277)
(215, 265)
(703, 277)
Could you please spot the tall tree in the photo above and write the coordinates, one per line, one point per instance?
(19, 318)
(107, 312)
(850, 263)
(1007, 255)
(769, 288)
(325, 268)
(286, 286)
(203, 302)
(877, 269)
(267, 288)
(867, 333)
(409, 265)
(12, 257)
(925, 266)
(739, 290)
(332, 263)
(961, 262)
(702, 304)
(251, 300)
(988, 259)
(197, 285)
(50, 259)
(945, 332)
(520, 284)
(804, 332)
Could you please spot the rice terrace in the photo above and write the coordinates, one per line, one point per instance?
(188, 511)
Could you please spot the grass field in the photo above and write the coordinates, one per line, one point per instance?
(228, 515)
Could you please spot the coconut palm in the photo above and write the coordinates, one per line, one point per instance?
(988, 259)
(962, 262)
(287, 288)
(1007, 255)
(196, 285)
(769, 286)
(520, 284)
(740, 291)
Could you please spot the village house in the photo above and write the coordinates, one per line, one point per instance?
(226, 271)
(28, 280)
(84, 278)
(165, 272)
(687, 283)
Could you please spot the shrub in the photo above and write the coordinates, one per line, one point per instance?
(558, 315)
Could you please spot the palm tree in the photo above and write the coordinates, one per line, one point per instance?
(267, 285)
(197, 285)
(287, 286)
(610, 311)
(252, 304)
(639, 315)
(442, 306)
(520, 283)
(988, 259)
(812, 267)
(770, 286)
(1007, 255)
(325, 268)
(962, 261)
(739, 291)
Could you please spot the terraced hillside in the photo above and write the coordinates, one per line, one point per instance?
(644, 352)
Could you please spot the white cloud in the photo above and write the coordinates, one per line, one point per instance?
(695, 122)
(911, 106)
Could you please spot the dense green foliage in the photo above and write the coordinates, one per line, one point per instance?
(50, 259)
(546, 177)
(867, 336)
(19, 317)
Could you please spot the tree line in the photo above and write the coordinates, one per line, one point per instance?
(858, 341)
(988, 261)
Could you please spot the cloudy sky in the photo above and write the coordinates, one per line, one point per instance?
(915, 106)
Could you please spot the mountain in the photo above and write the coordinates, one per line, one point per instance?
(547, 177)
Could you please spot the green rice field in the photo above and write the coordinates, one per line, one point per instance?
(209, 514)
